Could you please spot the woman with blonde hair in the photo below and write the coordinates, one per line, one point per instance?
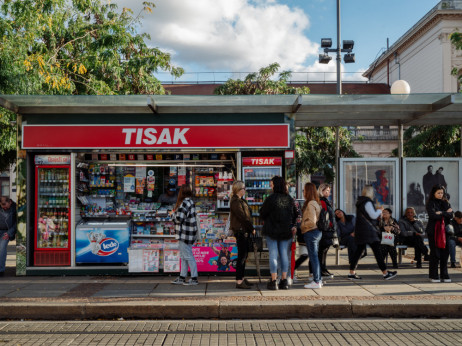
(367, 233)
(312, 235)
(241, 225)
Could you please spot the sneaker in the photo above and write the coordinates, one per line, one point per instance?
(243, 285)
(272, 285)
(283, 284)
(313, 285)
(426, 258)
(248, 283)
(354, 277)
(390, 275)
(295, 279)
(418, 265)
(178, 281)
(435, 280)
(191, 282)
(290, 281)
(327, 275)
(447, 280)
(453, 264)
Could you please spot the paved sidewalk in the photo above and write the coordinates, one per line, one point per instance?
(410, 294)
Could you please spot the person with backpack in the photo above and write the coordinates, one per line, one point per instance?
(367, 233)
(310, 215)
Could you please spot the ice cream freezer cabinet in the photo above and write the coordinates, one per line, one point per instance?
(102, 242)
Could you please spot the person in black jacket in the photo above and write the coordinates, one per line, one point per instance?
(438, 208)
(279, 226)
(241, 225)
(455, 239)
(8, 228)
(366, 233)
(412, 230)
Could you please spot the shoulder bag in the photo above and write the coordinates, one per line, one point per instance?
(440, 234)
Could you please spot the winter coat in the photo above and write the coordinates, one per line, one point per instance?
(240, 220)
(366, 231)
(8, 221)
(328, 236)
(408, 228)
(391, 222)
(279, 215)
(310, 216)
(433, 206)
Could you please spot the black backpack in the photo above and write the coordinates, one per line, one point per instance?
(323, 221)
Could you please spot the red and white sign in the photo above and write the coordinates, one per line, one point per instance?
(155, 136)
(261, 161)
(52, 159)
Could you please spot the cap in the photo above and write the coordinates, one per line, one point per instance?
(171, 185)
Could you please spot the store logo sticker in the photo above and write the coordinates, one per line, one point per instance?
(108, 246)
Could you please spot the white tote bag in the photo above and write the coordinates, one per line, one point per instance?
(388, 239)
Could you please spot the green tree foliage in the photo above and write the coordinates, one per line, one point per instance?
(261, 83)
(315, 146)
(435, 141)
(75, 47)
(315, 150)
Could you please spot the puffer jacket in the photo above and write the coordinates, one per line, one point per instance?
(365, 232)
(279, 215)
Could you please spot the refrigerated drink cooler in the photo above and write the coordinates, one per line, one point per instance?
(52, 216)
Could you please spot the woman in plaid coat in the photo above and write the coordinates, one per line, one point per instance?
(186, 227)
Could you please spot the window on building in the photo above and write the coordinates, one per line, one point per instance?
(5, 187)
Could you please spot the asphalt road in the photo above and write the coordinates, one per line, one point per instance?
(257, 332)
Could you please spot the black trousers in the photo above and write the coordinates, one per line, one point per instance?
(242, 253)
(387, 249)
(377, 253)
(438, 257)
(418, 244)
(350, 243)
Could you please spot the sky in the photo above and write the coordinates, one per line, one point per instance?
(216, 36)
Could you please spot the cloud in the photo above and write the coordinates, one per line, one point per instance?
(229, 35)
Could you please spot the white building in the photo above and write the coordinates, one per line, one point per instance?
(424, 55)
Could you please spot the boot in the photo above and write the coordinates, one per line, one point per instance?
(272, 285)
(284, 284)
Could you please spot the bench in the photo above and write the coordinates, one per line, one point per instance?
(401, 251)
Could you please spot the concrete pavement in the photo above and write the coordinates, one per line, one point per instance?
(410, 294)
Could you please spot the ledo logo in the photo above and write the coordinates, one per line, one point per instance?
(108, 246)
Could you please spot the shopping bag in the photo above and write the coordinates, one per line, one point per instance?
(388, 239)
(440, 234)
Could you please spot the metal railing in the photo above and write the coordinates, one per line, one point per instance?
(222, 77)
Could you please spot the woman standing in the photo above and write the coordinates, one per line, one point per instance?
(327, 236)
(186, 228)
(388, 224)
(311, 210)
(438, 208)
(280, 217)
(366, 233)
(242, 227)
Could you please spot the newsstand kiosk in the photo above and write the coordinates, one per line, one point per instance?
(104, 210)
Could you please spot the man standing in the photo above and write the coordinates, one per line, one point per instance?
(428, 181)
(8, 219)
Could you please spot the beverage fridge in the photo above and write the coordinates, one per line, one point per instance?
(52, 211)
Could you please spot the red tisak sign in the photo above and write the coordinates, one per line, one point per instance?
(155, 136)
(261, 161)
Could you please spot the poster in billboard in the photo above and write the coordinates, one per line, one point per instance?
(382, 174)
(420, 174)
(220, 257)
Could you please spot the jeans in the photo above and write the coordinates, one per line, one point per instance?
(312, 239)
(275, 248)
(452, 249)
(242, 243)
(289, 257)
(187, 259)
(3, 252)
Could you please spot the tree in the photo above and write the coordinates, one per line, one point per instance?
(314, 146)
(74, 47)
(435, 141)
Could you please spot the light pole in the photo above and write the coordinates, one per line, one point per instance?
(348, 45)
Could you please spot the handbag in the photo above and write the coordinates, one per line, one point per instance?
(440, 234)
(388, 239)
(255, 243)
(449, 230)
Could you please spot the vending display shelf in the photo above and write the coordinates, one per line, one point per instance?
(101, 186)
(255, 203)
(101, 196)
(158, 219)
(153, 235)
(54, 194)
(258, 178)
(51, 206)
(53, 181)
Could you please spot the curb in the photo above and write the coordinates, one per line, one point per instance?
(231, 310)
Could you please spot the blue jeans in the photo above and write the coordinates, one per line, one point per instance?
(187, 259)
(3, 252)
(275, 248)
(312, 239)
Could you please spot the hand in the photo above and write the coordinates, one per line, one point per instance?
(449, 210)
(352, 234)
(459, 239)
(254, 232)
(438, 213)
(5, 236)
